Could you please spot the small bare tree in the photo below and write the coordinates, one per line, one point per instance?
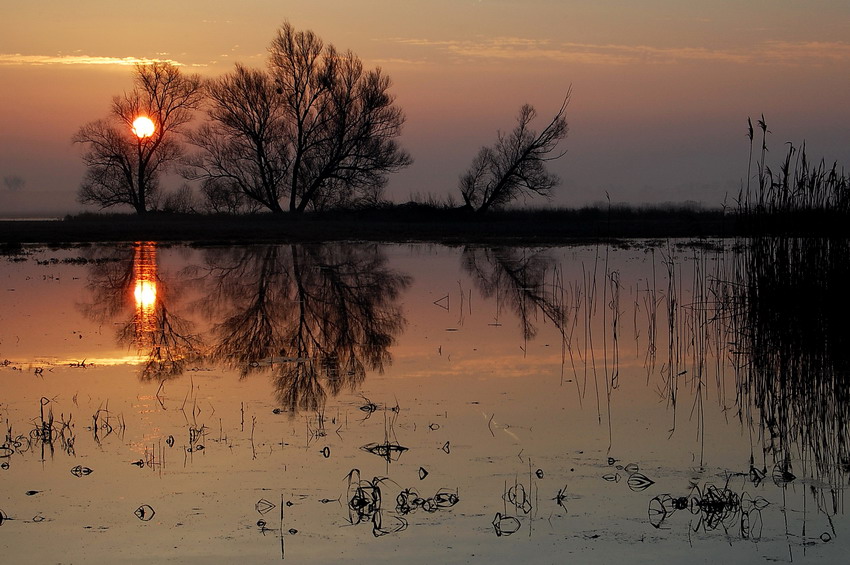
(123, 167)
(516, 164)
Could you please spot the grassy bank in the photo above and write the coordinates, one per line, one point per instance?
(414, 222)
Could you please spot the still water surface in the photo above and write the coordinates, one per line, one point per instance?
(647, 402)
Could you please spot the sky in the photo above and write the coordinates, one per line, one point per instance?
(661, 89)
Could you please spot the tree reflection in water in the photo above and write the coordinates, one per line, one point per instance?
(244, 295)
(316, 316)
(517, 277)
(127, 279)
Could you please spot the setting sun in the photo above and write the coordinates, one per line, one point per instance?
(143, 127)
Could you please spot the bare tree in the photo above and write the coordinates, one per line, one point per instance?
(516, 164)
(342, 118)
(245, 146)
(124, 168)
(316, 129)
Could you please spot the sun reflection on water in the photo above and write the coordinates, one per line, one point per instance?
(145, 287)
(145, 294)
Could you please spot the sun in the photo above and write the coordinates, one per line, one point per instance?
(143, 127)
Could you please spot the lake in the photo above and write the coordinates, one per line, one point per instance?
(645, 401)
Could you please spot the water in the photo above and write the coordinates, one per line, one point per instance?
(386, 403)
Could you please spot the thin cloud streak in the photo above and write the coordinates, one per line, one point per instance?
(524, 49)
(40, 60)
(396, 61)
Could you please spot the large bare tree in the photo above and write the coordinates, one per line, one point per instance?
(123, 168)
(316, 130)
(245, 144)
(515, 165)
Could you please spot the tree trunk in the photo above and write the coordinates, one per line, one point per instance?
(141, 204)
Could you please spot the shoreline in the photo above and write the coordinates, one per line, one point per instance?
(400, 224)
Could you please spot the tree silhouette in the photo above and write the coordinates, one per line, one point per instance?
(515, 165)
(316, 129)
(122, 168)
(245, 145)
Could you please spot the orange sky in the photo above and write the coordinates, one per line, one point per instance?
(661, 90)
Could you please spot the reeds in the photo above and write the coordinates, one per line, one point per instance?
(798, 186)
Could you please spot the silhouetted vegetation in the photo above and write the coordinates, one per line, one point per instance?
(317, 130)
(515, 166)
(313, 138)
(402, 222)
(124, 168)
(798, 196)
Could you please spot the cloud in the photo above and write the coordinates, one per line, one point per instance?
(18, 59)
(525, 49)
(808, 52)
(396, 61)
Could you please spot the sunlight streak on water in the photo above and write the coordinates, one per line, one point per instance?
(145, 289)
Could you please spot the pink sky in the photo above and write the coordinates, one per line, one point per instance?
(661, 91)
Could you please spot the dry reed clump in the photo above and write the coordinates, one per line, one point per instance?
(798, 186)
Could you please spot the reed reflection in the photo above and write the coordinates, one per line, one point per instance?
(318, 317)
(792, 307)
(127, 280)
(774, 312)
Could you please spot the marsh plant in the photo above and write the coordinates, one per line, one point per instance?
(798, 185)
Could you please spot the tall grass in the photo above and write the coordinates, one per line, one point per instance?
(796, 185)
